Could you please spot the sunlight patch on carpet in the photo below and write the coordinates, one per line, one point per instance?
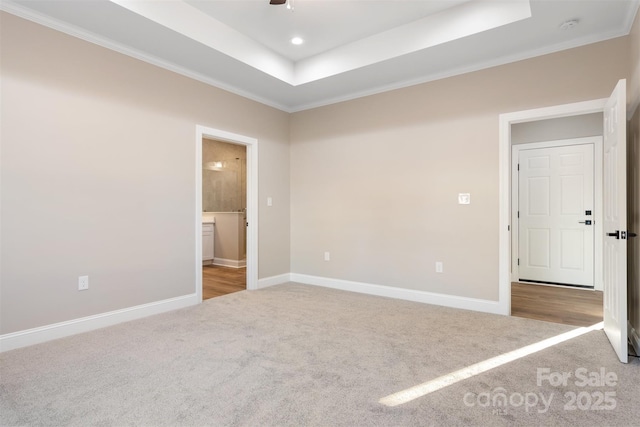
(425, 388)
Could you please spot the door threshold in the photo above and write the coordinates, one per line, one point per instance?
(556, 285)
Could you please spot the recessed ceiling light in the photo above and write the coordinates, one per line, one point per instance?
(297, 41)
(568, 25)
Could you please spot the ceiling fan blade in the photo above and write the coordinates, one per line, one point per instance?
(277, 1)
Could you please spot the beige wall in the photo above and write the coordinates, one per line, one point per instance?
(98, 171)
(557, 129)
(375, 180)
(224, 190)
(98, 177)
(634, 179)
(229, 237)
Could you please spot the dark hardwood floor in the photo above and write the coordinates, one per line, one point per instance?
(577, 307)
(217, 281)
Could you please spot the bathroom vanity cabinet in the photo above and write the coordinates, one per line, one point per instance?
(207, 242)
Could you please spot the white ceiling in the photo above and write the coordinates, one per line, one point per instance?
(352, 48)
(323, 24)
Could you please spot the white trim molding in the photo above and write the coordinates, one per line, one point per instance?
(445, 300)
(251, 144)
(54, 331)
(88, 36)
(504, 187)
(233, 263)
(24, 12)
(274, 280)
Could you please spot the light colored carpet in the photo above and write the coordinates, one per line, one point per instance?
(296, 355)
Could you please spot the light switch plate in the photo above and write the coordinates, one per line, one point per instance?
(464, 198)
(269, 201)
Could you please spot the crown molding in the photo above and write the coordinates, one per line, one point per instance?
(74, 31)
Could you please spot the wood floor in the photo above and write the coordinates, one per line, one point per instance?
(217, 281)
(576, 307)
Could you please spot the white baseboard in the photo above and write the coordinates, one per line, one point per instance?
(453, 301)
(71, 327)
(274, 280)
(234, 263)
(634, 337)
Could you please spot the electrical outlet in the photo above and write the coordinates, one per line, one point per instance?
(327, 256)
(439, 267)
(83, 283)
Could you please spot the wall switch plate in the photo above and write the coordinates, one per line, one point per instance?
(439, 267)
(269, 201)
(464, 198)
(83, 283)
(327, 256)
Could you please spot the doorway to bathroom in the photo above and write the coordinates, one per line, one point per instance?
(226, 217)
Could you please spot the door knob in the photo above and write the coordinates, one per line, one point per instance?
(587, 222)
(616, 234)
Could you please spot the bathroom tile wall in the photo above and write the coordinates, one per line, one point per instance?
(224, 174)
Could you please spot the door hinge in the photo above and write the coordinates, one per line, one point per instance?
(518, 166)
(518, 214)
(518, 261)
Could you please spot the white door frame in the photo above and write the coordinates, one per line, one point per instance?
(597, 194)
(252, 201)
(504, 176)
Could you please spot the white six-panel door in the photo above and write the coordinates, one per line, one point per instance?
(556, 215)
(615, 221)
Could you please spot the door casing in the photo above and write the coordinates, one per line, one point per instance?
(252, 201)
(598, 213)
(505, 176)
